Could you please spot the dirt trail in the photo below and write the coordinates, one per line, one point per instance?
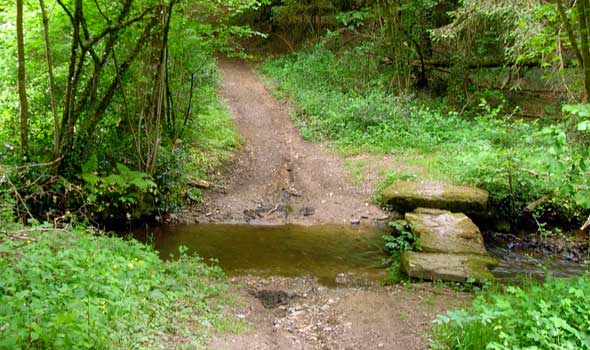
(306, 316)
(278, 177)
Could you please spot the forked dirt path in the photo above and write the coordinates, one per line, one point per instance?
(279, 178)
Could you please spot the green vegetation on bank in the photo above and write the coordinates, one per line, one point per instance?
(401, 240)
(71, 289)
(343, 96)
(554, 314)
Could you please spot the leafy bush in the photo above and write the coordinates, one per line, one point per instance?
(72, 290)
(117, 194)
(551, 315)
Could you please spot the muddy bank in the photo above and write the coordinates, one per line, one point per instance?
(299, 314)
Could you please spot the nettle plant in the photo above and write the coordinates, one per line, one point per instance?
(120, 195)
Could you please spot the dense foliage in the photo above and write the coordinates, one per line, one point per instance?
(129, 85)
(518, 162)
(551, 315)
(70, 289)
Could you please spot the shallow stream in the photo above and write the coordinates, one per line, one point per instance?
(515, 266)
(334, 254)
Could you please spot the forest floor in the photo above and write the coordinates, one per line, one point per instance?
(279, 178)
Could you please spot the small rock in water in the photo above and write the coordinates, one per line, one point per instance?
(355, 222)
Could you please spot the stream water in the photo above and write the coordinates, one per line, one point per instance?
(515, 266)
(334, 254)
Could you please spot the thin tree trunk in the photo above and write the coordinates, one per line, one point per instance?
(22, 90)
(56, 133)
(160, 93)
(583, 9)
(569, 31)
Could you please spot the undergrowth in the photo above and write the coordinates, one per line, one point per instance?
(550, 315)
(213, 140)
(343, 97)
(74, 290)
(401, 240)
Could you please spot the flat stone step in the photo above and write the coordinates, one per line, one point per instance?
(448, 267)
(405, 196)
(441, 231)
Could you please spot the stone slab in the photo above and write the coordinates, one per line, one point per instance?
(441, 231)
(448, 267)
(406, 196)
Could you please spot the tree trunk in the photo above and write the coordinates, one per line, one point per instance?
(22, 90)
(56, 133)
(583, 9)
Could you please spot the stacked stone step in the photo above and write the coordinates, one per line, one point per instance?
(452, 246)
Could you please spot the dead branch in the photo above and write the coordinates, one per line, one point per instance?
(16, 193)
(36, 165)
(273, 210)
(537, 203)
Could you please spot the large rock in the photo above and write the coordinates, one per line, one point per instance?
(406, 196)
(448, 267)
(441, 231)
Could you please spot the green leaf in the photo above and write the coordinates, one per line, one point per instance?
(90, 165)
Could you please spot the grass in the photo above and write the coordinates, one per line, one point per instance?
(75, 290)
(356, 169)
(216, 139)
(344, 98)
